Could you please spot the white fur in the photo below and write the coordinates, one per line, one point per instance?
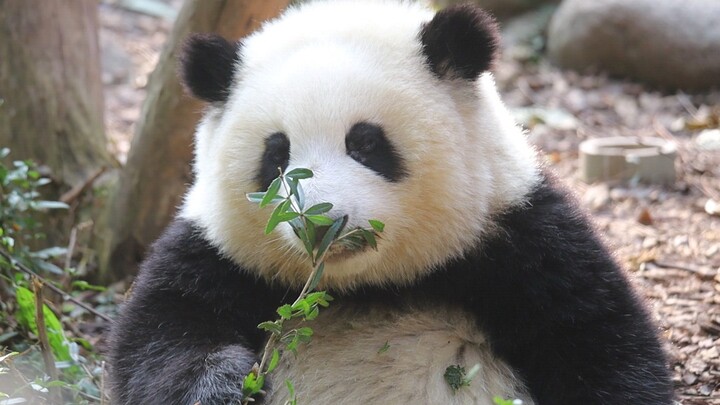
(371, 356)
(314, 73)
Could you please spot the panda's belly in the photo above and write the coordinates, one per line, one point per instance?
(384, 356)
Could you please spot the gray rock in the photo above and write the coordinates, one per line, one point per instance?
(666, 43)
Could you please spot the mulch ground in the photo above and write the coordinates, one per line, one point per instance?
(663, 235)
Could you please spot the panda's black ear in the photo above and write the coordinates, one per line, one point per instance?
(207, 66)
(460, 41)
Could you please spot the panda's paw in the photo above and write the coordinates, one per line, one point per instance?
(222, 378)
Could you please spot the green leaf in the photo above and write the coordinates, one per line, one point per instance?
(377, 225)
(271, 193)
(293, 344)
(313, 298)
(47, 266)
(84, 286)
(316, 278)
(271, 327)
(49, 253)
(288, 216)
(26, 316)
(299, 173)
(321, 220)
(302, 233)
(370, 238)
(304, 332)
(48, 205)
(285, 311)
(500, 401)
(310, 229)
(255, 197)
(250, 385)
(291, 390)
(297, 192)
(318, 209)
(314, 312)
(455, 377)
(302, 305)
(275, 217)
(385, 348)
(274, 361)
(329, 237)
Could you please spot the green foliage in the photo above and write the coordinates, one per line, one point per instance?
(19, 200)
(304, 221)
(26, 316)
(384, 348)
(500, 401)
(21, 234)
(456, 377)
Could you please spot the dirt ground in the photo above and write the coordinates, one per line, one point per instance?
(663, 236)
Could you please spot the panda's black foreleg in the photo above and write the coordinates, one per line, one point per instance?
(559, 310)
(174, 356)
(188, 332)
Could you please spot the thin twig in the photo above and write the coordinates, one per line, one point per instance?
(103, 395)
(65, 296)
(45, 348)
(687, 104)
(273, 338)
(699, 271)
(71, 247)
(76, 191)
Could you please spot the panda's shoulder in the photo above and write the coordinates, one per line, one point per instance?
(184, 262)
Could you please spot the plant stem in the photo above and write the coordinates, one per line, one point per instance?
(45, 348)
(274, 337)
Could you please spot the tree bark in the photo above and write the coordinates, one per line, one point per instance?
(158, 167)
(51, 101)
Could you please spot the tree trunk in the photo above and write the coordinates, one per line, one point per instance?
(51, 101)
(158, 166)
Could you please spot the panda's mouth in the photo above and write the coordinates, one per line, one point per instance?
(350, 244)
(344, 249)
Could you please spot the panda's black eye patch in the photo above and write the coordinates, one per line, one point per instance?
(367, 144)
(276, 154)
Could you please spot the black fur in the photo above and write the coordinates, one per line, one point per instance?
(550, 298)
(460, 41)
(207, 65)
(276, 155)
(188, 332)
(367, 144)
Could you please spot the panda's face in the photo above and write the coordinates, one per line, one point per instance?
(389, 127)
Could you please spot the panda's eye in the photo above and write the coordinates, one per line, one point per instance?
(367, 144)
(276, 154)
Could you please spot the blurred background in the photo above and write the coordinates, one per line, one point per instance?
(621, 97)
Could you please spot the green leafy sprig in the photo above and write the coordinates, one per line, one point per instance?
(456, 377)
(306, 222)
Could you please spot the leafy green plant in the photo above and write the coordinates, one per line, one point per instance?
(500, 401)
(53, 371)
(20, 199)
(456, 377)
(305, 222)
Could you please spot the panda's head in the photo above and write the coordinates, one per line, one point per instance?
(393, 109)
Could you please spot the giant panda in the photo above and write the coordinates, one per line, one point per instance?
(484, 260)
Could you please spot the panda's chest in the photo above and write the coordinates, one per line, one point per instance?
(372, 354)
